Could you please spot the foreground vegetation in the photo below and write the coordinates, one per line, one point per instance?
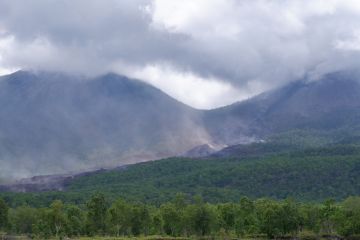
(185, 217)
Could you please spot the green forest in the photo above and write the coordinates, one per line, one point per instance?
(256, 171)
(256, 191)
(187, 217)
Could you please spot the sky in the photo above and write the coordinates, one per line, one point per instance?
(205, 53)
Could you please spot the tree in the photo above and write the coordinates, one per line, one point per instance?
(269, 219)
(328, 212)
(4, 210)
(290, 217)
(140, 220)
(120, 217)
(348, 217)
(200, 216)
(278, 218)
(310, 213)
(75, 219)
(246, 220)
(57, 218)
(96, 214)
(227, 212)
(172, 219)
(43, 227)
(22, 219)
(157, 223)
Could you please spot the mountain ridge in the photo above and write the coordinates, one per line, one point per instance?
(52, 123)
(82, 124)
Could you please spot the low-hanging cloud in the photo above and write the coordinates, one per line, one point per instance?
(243, 47)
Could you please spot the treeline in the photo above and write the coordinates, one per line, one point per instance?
(185, 217)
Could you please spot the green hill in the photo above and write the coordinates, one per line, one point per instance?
(309, 174)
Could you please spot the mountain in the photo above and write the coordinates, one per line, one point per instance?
(329, 104)
(52, 123)
(300, 140)
(55, 123)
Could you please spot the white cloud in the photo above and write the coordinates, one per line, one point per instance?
(201, 93)
(350, 44)
(5, 44)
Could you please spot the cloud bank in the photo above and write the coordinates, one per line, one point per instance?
(206, 53)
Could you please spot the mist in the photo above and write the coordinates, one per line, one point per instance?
(53, 123)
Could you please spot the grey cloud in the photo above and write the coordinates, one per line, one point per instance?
(94, 31)
(272, 42)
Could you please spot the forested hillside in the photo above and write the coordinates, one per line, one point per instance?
(257, 170)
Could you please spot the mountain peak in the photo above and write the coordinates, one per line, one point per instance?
(52, 123)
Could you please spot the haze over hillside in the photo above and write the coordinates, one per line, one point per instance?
(57, 123)
(328, 104)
